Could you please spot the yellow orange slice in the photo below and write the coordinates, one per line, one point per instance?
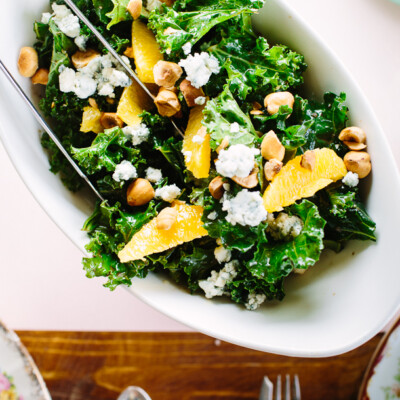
(196, 145)
(91, 120)
(294, 182)
(133, 102)
(145, 50)
(150, 239)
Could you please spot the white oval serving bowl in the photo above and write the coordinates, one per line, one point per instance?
(338, 305)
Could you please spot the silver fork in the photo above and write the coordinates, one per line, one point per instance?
(291, 390)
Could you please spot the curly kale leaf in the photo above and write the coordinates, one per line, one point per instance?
(345, 214)
(238, 237)
(119, 12)
(220, 113)
(188, 263)
(107, 150)
(253, 66)
(43, 44)
(275, 260)
(328, 119)
(246, 283)
(109, 229)
(171, 149)
(191, 21)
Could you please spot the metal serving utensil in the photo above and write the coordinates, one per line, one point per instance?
(134, 393)
(107, 45)
(291, 389)
(47, 128)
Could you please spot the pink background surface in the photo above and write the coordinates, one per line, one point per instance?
(42, 284)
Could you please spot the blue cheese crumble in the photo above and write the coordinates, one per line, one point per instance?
(254, 301)
(153, 174)
(212, 216)
(351, 179)
(238, 160)
(137, 134)
(200, 100)
(215, 285)
(124, 171)
(102, 74)
(67, 22)
(222, 255)
(284, 227)
(246, 208)
(199, 68)
(168, 193)
(45, 18)
(187, 48)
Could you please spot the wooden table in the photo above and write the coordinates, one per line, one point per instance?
(181, 366)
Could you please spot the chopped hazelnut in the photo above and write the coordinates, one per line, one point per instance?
(223, 145)
(110, 120)
(308, 160)
(271, 168)
(82, 58)
(28, 62)
(41, 77)
(274, 101)
(358, 162)
(271, 147)
(166, 218)
(250, 181)
(166, 73)
(354, 138)
(190, 93)
(167, 103)
(139, 192)
(134, 8)
(216, 187)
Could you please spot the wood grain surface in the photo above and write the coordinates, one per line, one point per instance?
(181, 366)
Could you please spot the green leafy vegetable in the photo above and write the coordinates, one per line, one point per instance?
(191, 21)
(275, 260)
(238, 237)
(220, 113)
(119, 13)
(253, 66)
(345, 214)
(107, 150)
(109, 229)
(246, 283)
(328, 118)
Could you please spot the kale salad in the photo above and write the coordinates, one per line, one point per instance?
(262, 180)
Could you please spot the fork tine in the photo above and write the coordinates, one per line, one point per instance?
(296, 388)
(267, 389)
(287, 388)
(278, 392)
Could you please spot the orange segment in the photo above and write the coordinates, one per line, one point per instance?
(145, 50)
(133, 102)
(294, 182)
(91, 120)
(150, 239)
(196, 145)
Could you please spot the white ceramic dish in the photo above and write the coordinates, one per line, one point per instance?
(382, 378)
(335, 307)
(16, 362)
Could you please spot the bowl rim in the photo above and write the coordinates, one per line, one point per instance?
(373, 362)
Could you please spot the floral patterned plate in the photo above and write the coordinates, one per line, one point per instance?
(19, 377)
(382, 379)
